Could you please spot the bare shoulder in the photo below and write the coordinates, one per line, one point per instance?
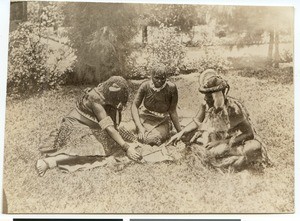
(95, 96)
(172, 87)
(237, 110)
(171, 84)
(144, 84)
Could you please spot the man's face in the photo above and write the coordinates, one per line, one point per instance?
(159, 80)
(215, 99)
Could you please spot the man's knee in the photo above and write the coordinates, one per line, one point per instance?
(154, 138)
(252, 150)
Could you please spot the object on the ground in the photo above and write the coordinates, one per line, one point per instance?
(154, 154)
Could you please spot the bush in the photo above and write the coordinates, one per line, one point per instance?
(49, 14)
(165, 48)
(136, 70)
(210, 59)
(287, 56)
(33, 66)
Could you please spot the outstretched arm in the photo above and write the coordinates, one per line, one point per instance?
(197, 120)
(194, 124)
(106, 123)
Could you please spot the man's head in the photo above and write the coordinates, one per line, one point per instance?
(158, 75)
(115, 91)
(213, 87)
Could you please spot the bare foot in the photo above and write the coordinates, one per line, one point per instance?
(41, 167)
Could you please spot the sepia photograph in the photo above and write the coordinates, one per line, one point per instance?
(143, 108)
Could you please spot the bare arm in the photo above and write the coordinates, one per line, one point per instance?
(135, 114)
(113, 133)
(173, 109)
(138, 99)
(192, 125)
(175, 119)
(246, 133)
(101, 114)
(198, 119)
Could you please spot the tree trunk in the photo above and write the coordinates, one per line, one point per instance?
(271, 45)
(24, 11)
(276, 55)
(145, 34)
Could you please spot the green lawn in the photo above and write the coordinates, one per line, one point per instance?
(152, 188)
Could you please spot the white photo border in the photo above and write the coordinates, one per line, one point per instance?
(4, 33)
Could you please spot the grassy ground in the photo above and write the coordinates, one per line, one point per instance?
(152, 188)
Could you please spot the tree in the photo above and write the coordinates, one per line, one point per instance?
(101, 33)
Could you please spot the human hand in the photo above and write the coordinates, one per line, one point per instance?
(212, 144)
(175, 138)
(132, 153)
(196, 135)
(141, 134)
(215, 143)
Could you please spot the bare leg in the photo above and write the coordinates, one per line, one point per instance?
(42, 165)
(156, 134)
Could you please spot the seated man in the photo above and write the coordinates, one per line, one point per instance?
(159, 98)
(231, 134)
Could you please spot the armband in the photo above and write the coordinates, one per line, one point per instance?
(106, 122)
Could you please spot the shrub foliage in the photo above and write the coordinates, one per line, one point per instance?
(36, 62)
(165, 48)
